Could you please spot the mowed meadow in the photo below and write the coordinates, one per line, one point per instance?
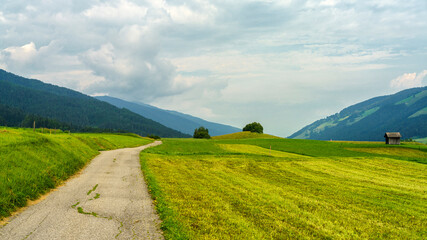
(31, 163)
(300, 189)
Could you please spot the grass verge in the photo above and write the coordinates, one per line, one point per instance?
(171, 226)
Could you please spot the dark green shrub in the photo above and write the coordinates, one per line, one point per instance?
(152, 136)
(254, 127)
(201, 132)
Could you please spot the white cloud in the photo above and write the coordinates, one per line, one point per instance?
(136, 72)
(183, 14)
(214, 58)
(31, 8)
(187, 81)
(384, 3)
(25, 57)
(98, 94)
(421, 76)
(21, 54)
(2, 18)
(30, 59)
(78, 79)
(409, 80)
(121, 11)
(329, 2)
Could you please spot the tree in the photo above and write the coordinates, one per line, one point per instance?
(201, 132)
(254, 127)
(152, 136)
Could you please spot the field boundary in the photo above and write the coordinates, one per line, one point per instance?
(172, 228)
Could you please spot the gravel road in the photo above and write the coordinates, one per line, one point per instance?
(108, 200)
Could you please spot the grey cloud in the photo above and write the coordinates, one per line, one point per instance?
(128, 49)
(234, 26)
(128, 74)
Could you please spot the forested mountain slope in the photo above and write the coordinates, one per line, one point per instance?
(176, 120)
(404, 112)
(33, 97)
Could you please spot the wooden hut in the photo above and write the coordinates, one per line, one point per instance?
(392, 138)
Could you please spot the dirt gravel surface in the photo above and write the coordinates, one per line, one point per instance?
(108, 200)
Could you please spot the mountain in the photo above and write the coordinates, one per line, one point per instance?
(404, 112)
(15, 117)
(32, 98)
(179, 121)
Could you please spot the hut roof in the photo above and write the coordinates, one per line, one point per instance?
(392, 134)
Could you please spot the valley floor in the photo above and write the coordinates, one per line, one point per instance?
(225, 188)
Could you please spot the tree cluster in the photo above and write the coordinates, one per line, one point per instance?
(201, 132)
(254, 127)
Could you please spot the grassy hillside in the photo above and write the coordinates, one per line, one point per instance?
(404, 112)
(300, 189)
(79, 111)
(244, 135)
(32, 163)
(421, 140)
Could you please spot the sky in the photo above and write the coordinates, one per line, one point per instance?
(282, 63)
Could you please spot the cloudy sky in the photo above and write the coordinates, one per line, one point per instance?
(283, 63)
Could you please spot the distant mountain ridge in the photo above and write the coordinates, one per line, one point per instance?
(22, 97)
(182, 122)
(404, 112)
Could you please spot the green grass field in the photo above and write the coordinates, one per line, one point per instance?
(300, 189)
(243, 135)
(32, 163)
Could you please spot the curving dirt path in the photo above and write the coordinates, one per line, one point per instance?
(108, 200)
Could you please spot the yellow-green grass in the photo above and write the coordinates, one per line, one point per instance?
(214, 190)
(32, 163)
(330, 149)
(402, 152)
(255, 150)
(358, 142)
(243, 135)
(108, 141)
